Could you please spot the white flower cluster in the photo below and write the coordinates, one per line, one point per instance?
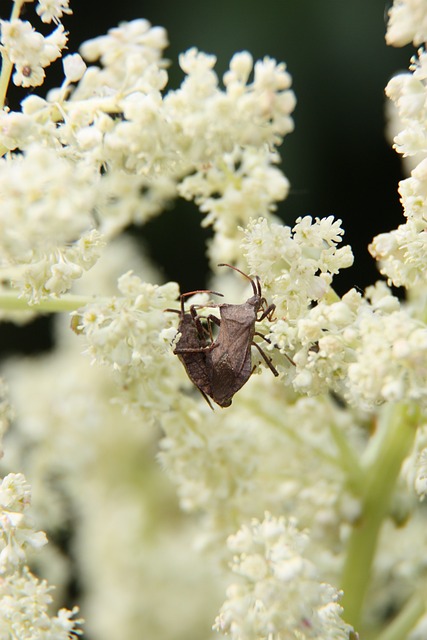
(47, 234)
(401, 252)
(28, 50)
(296, 265)
(279, 594)
(332, 341)
(132, 335)
(24, 599)
(85, 456)
(407, 23)
(122, 147)
(24, 610)
(15, 530)
(233, 465)
(110, 147)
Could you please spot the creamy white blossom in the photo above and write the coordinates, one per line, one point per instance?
(296, 265)
(110, 476)
(390, 359)
(401, 252)
(74, 67)
(16, 533)
(278, 593)
(29, 50)
(141, 146)
(127, 333)
(24, 610)
(46, 222)
(407, 23)
(52, 10)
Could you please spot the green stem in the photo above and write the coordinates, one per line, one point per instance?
(396, 433)
(349, 461)
(10, 302)
(405, 620)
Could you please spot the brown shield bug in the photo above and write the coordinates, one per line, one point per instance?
(194, 343)
(229, 360)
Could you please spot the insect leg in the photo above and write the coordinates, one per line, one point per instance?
(257, 333)
(206, 349)
(266, 359)
(268, 312)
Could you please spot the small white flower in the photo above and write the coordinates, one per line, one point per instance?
(30, 51)
(74, 67)
(121, 42)
(407, 22)
(52, 10)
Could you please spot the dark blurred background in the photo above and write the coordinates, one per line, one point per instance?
(337, 160)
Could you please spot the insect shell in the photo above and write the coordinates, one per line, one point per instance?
(229, 359)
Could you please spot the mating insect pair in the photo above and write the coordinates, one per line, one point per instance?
(220, 367)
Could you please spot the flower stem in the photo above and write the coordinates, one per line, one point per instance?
(10, 302)
(405, 620)
(395, 435)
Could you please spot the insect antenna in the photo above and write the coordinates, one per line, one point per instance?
(256, 287)
(192, 293)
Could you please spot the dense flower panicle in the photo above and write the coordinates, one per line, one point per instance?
(279, 594)
(401, 252)
(122, 44)
(296, 265)
(24, 610)
(132, 335)
(407, 23)
(47, 235)
(234, 465)
(243, 185)
(141, 146)
(332, 342)
(390, 359)
(113, 146)
(127, 503)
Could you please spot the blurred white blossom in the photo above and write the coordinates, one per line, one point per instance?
(52, 10)
(407, 22)
(24, 599)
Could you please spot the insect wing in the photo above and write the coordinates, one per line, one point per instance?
(234, 338)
